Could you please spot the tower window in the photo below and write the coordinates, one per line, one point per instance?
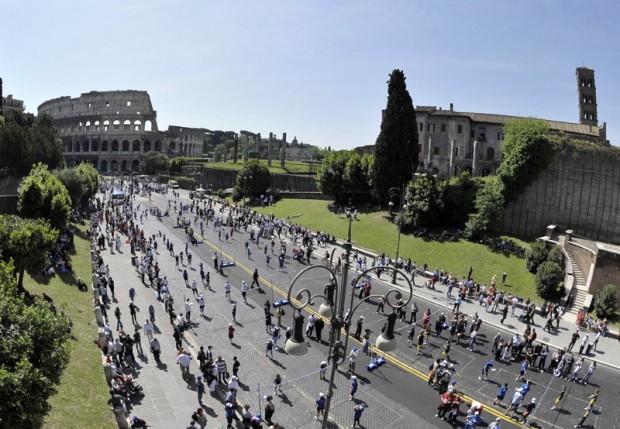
(421, 126)
(459, 129)
(443, 128)
(436, 150)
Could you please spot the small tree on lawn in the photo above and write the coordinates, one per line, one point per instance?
(536, 255)
(254, 178)
(549, 276)
(605, 301)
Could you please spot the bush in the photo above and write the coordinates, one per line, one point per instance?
(459, 194)
(236, 195)
(423, 203)
(556, 255)
(605, 301)
(258, 184)
(538, 253)
(489, 204)
(549, 278)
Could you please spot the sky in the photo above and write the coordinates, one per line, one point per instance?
(316, 69)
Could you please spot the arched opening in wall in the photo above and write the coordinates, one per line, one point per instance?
(106, 125)
(468, 169)
(135, 165)
(94, 146)
(87, 125)
(137, 125)
(96, 125)
(158, 146)
(126, 124)
(125, 146)
(114, 146)
(104, 146)
(103, 166)
(76, 146)
(124, 166)
(68, 146)
(172, 147)
(116, 124)
(148, 126)
(114, 166)
(485, 171)
(147, 146)
(80, 125)
(85, 146)
(435, 170)
(136, 146)
(490, 154)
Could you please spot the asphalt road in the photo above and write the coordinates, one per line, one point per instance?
(401, 380)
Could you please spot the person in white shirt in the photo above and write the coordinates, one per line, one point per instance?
(148, 329)
(184, 359)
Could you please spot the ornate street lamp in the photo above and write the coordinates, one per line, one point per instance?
(332, 307)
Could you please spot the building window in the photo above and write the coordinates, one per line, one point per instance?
(428, 127)
(443, 128)
(472, 133)
(128, 103)
(107, 104)
(456, 151)
(459, 129)
(421, 126)
(436, 150)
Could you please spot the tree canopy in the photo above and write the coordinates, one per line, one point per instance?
(605, 303)
(423, 203)
(42, 195)
(396, 148)
(549, 277)
(33, 353)
(26, 242)
(26, 140)
(346, 175)
(155, 162)
(254, 178)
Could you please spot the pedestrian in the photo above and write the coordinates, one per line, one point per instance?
(353, 359)
(320, 405)
(201, 304)
(318, 327)
(420, 343)
(244, 291)
(501, 394)
(310, 325)
(354, 385)
(269, 348)
(472, 340)
(583, 419)
(588, 374)
(357, 414)
(184, 359)
(457, 304)
(255, 278)
(117, 314)
(584, 343)
(380, 305)
(414, 313)
(200, 389)
(485, 370)
(155, 349)
(527, 410)
(194, 287)
(111, 286)
(277, 384)
(504, 313)
(227, 288)
(495, 424)
(234, 311)
(522, 370)
(323, 370)
(229, 411)
(235, 366)
(231, 332)
(270, 409)
(136, 340)
(558, 399)
(592, 399)
(188, 310)
(573, 340)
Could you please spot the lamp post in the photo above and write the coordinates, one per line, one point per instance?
(400, 192)
(332, 307)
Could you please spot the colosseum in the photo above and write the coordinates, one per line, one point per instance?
(114, 129)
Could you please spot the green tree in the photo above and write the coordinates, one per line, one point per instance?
(331, 176)
(26, 242)
(176, 164)
(556, 255)
(42, 195)
(423, 203)
(549, 277)
(254, 178)
(34, 350)
(90, 179)
(605, 303)
(489, 206)
(155, 162)
(356, 180)
(72, 181)
(26, 140)
(459, 194)
(396, 148)
(536, 255)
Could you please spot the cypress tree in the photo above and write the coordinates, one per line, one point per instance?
(396, 148)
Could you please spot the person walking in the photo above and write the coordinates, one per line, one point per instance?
(588, 374)
(255, 278)
(320, 405)
(270, 409)
(357, 414)
(527, 410)
(318, 327)
(231, 332)
(200, 389)
(234, 311)
(188, 310)
(323, 370)
(573, 340)
(277, 384)
(558, 399)
(583, 419)
(133, 310)
(194, 287)
(227, 288)
(117, 314)
(201, 304)
(501, 394)
(244, 291)
(354, 386)
(155, 349)
(457, 304)
(184, 359)
(148, 329)
(485, 369)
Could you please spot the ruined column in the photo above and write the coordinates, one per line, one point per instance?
(235, 149)
(269, 142)
(246, 147)
(451, 172)
(474, 162)
(283, 151)
(428, 155)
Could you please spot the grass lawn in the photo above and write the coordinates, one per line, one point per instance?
(81, 399)
(290, 166)
(374, 232)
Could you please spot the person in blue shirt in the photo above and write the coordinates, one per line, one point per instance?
(229, 412)
(522, 369)
(320, 405)
(354, 384)
(501, 394)
(473, 420)
(485, 369)
(357, 414)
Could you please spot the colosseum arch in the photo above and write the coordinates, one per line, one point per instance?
(104, 146)
(137, 125)
(124, 165)
(148, 126)
(85, 146)
(68, 147)
(96, 125)
(115, 146)
(103, 166)
(135, 165)
(116, 124)
(87, 125)
(126, 124)
(106, 125)
(125, 146)
(172, 146)
(94, 146)
(158, 146)
(136, 146)
(114, 166)
(147, 146)
(76, 146)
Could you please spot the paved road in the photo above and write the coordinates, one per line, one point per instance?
(394, 392)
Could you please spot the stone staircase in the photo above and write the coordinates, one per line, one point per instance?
(580, 291)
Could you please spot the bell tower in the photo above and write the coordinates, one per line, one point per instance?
(586, 90)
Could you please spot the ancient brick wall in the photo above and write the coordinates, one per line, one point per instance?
(580, 190)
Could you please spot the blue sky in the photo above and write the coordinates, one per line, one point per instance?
(315, 69)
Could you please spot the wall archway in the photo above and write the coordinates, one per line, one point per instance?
(136, 146)
(490, 154)
(147, 146)
(123, 165)
(135, 165)
(125, 146)
(85, 146)
(103, 166)
(158, 146)
(115, 146)
(104, 146)
(114, 165)
(94, 146)
(148, 125)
